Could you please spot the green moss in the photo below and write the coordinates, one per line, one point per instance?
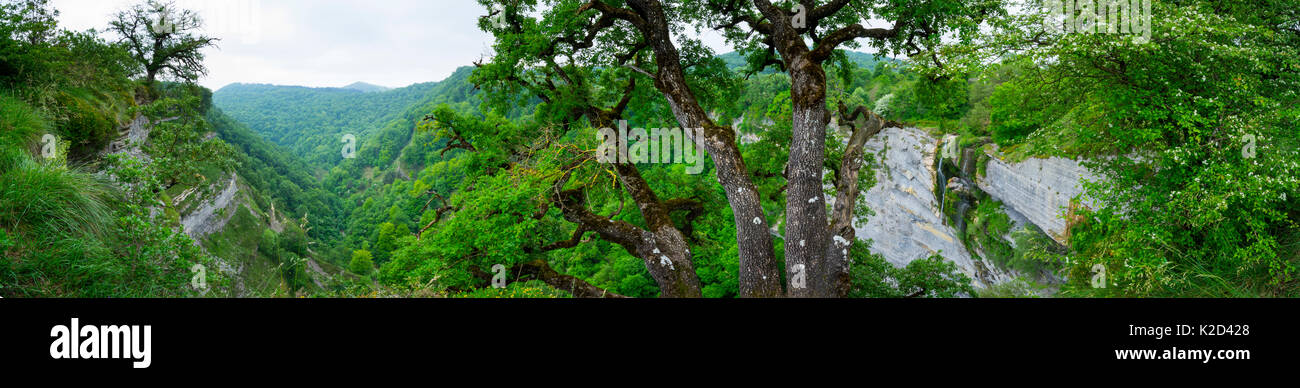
(950, 200)
(982, 164)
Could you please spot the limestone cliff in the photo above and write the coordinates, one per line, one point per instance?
(1041, 190)
(908, 224)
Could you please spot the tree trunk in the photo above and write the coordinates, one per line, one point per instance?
(664, 250)
(662, 247)
(806, 235)
(758, 268)
(865, 125)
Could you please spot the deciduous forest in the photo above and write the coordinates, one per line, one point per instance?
(849, 149)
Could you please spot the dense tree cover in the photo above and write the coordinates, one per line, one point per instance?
(350, 200)
(532, 191)
(496, 172)
(82, 218)
(1095, 95)
(553, 57)
(312, 121)
(284, 180)
(422, 229)
(77, 80)
(1196, 135)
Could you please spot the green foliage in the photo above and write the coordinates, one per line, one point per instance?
(293, 272)
(269, 243)
(177, 142)
(349, 197)
(521, 290)
(1190, 205)
(114, 233)
(934, 277)
(288, 254)
(471, 163)
(943, 99)
(1036, 251)
(68, 233)
(738, 63)
(1025, 249)
(76, 80)
(25, 29)
(386, 240)
(988, 228)
(293, 239)
(164, 40)
(311, 122)
(286, 180)
(50, 198)
(1012, 123)
(20, 125)
(362, 263)
(1016, 288)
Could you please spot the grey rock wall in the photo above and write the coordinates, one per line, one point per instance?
(908, 224)
(1039, 189)
(205, 219)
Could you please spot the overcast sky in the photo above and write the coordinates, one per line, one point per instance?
(391, 43)
(327, 43)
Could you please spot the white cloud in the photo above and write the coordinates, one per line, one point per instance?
(322, 42)
(325, 43)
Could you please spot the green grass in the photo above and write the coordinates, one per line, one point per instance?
(45, 197)
(54, 219)
(20, 125)
(65, 232)
(238, 244)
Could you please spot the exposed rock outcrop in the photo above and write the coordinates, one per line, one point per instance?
(131, 138)
(1039, 189)
(214, 213)
(908, 224)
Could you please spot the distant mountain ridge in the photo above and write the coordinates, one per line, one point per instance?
(311, 122)
(354, 87)
(366, 88)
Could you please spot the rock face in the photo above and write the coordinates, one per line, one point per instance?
(1039, 189)
(908, 224)
(131, 138)
(205, 220)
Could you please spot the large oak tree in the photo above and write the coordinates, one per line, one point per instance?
(164, 39)
(817, 245)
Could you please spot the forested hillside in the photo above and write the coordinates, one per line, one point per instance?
(974, 152)
(311, 121)
(387, 198)
(119, 185)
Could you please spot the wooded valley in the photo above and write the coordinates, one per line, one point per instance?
(860, 149)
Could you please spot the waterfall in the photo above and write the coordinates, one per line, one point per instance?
(908, 223)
